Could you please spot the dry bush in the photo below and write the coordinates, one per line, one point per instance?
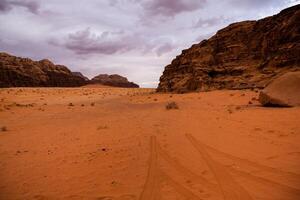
(172, 105)
(102, 127)
(3, 128)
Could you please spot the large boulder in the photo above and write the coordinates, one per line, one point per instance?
(114, 80)
(283, 91)
(243, 55)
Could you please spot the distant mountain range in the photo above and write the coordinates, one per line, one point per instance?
(24, 72)
(113, 80)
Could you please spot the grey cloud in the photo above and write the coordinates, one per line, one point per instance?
(86, 42)
(258, 3)
(31, 6)
(4, 6)
(210, 21)
(118, 2)
(170, 7)
(164, 48)
(108, 43)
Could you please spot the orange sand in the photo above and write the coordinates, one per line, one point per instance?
(122, 144)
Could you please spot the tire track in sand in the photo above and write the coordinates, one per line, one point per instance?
(188, 195)
(152, 185)
(186, 172)
(155, 177)
(293, 193)
(291, 175)
(230, 188)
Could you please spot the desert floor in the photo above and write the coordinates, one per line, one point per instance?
(123, 144)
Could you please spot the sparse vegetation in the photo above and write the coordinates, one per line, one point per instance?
(102, 127)
(22, 105)
(172, 105)
(71, 104)
(3, 128)
(93, 104)
(238, 107)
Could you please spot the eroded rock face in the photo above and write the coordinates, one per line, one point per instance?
(114, 80)
(283, 91)
(81, 75)
(243, 55)
(24, 72)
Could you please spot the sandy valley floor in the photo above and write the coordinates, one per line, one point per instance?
(122, 144)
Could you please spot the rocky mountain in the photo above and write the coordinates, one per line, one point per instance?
(114, 80)
(247, 54)
(24, 72)
(79, 74)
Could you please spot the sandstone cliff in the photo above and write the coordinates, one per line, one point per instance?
(81, 75)
(24, 72)
(247, 54)
(114, 80)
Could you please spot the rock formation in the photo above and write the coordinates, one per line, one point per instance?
(81, 75)
(283, 91)
(114, 80)
(243, 55)
(24, 72)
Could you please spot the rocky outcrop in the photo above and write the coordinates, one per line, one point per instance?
(114, 80)
(283, 91)
(24, 72)
(243, 55)
(79, 74)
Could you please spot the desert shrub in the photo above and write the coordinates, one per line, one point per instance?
(102, 127)
(172, 105)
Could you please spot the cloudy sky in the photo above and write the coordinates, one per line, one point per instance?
(134, 38)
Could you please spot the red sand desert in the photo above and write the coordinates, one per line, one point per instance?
(123, 144)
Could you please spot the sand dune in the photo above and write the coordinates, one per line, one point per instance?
(106, 143)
